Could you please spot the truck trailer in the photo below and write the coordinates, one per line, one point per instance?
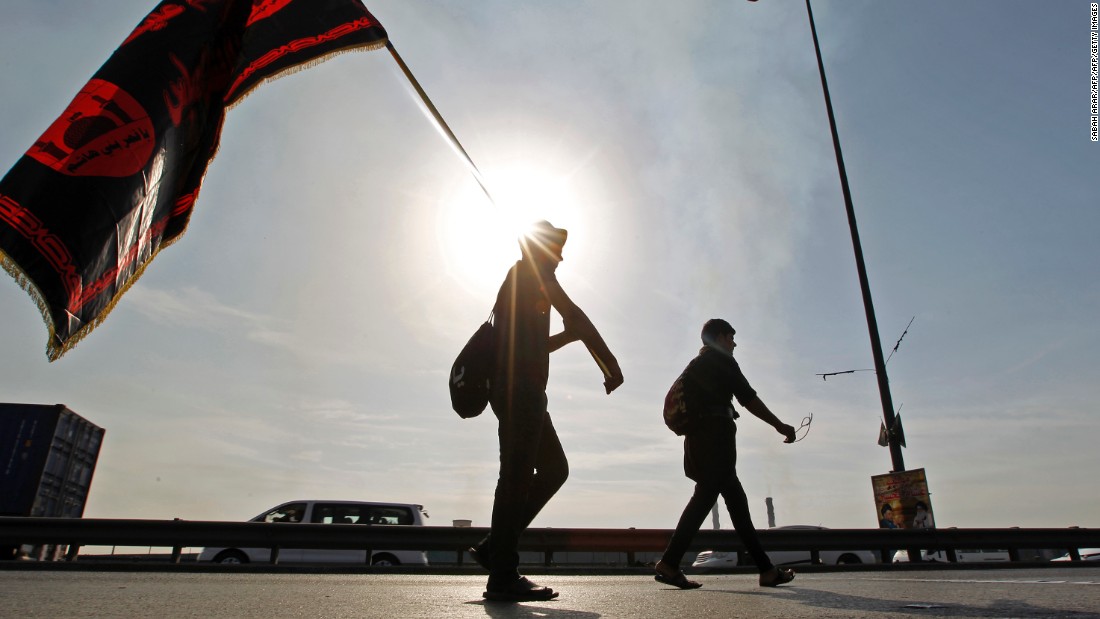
(48, 454)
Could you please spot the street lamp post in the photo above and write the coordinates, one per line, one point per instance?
(869, 308)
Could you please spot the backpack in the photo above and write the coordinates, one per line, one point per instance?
(676, 413)
(472, 372)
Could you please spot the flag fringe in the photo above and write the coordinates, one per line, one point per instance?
(28, 286)
(302, 66)
(55, 348)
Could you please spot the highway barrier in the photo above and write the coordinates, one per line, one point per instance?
(178, 534)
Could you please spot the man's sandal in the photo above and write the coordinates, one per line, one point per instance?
(780, 576)
(676, 578)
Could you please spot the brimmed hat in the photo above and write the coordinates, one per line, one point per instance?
(546, 237)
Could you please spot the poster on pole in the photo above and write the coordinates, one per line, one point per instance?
(902, 500)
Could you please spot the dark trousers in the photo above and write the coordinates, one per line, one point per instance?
(710, 459)
(532, 469)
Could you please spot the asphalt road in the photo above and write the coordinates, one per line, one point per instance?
(1045, 592)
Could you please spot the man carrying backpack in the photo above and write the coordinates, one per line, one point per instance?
(710, 382)
(532, 463)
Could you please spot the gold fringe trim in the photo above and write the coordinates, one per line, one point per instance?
(308, 64)
(55, 347)
(27, 284)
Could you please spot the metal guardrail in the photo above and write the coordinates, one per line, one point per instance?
(179, 534)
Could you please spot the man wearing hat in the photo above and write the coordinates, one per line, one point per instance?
(532, 463)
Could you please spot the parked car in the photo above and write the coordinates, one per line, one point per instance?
(964, 555)
(330, 512)
(713, 559)
(1087, 554)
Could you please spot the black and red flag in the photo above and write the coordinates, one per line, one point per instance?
(114, 179)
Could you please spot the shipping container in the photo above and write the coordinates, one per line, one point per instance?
(48, 455)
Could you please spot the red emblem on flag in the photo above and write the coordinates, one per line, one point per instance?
(103, 132)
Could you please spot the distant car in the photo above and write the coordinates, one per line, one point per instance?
(330, 512)
(713, 559)
(1087, 554)
(963, 555)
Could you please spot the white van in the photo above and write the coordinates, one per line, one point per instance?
(711, 559)
(330, 512)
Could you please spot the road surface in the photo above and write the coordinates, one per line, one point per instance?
(166, 594)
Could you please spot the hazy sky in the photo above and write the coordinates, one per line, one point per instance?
(295, 343)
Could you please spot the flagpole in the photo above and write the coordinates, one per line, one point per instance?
(892, 434)
(442, 124)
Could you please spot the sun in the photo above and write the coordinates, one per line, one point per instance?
(479, 236)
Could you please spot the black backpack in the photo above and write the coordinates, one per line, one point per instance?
(472, 372)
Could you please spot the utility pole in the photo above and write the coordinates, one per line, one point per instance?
(869, 308)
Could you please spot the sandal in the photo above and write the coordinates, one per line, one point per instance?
(781, 576)
(676, 579)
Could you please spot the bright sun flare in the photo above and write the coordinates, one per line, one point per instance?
(479, 238)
